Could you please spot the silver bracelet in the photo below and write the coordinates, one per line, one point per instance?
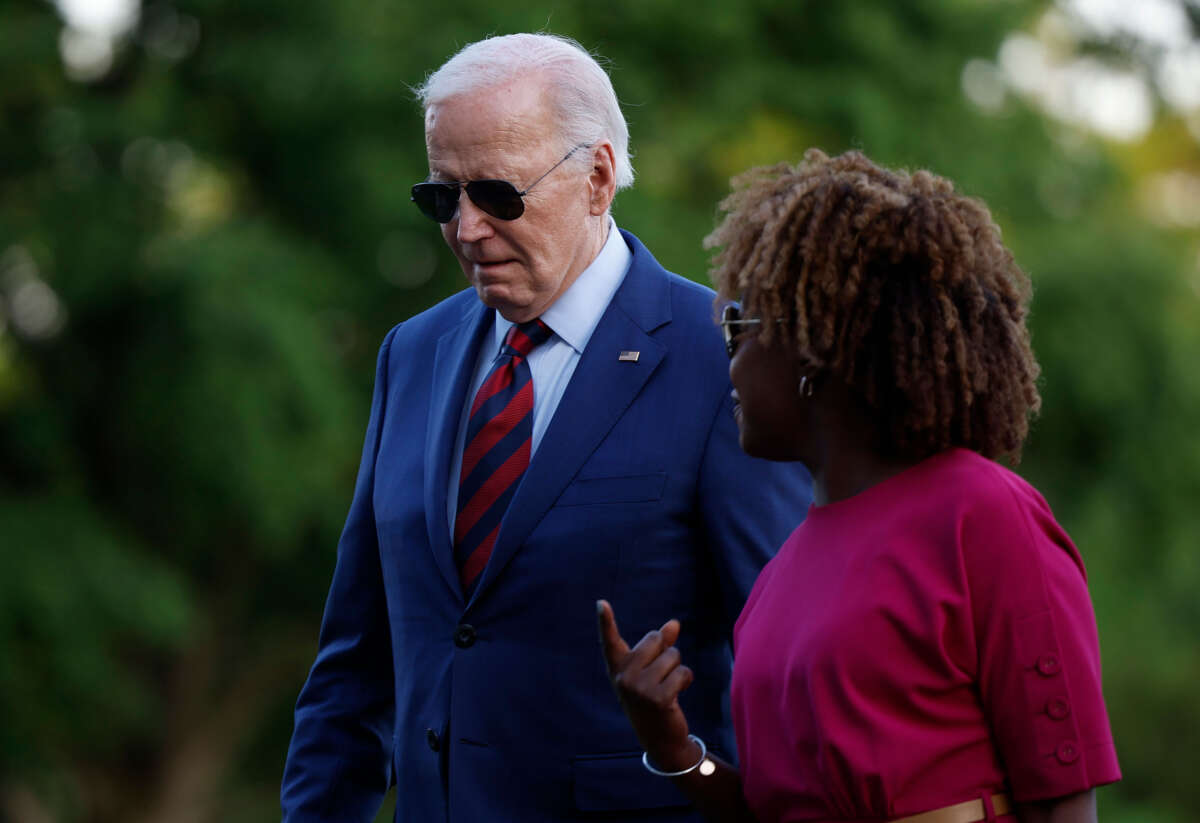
(688, 770)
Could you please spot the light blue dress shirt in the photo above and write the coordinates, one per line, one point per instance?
(572, 317)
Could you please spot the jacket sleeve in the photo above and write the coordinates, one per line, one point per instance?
(749, 506)
(339, 761)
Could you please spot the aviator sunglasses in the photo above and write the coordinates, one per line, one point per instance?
(499, 198)
(732, 323)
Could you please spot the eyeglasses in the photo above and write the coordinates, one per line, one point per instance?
(499, 198)
(732, 323)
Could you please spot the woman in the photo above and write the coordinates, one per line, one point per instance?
(923, 647)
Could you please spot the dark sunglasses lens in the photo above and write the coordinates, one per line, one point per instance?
(499, 198)
(437, 201)
(729, 320)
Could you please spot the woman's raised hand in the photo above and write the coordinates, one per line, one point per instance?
(648, 680)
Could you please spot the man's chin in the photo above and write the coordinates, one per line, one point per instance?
(503, 301)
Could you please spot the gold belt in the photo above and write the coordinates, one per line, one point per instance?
(969, 811)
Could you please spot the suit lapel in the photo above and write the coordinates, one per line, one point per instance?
(600, 391)
(453, 364)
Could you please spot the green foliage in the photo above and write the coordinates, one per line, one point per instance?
(222, 226)
(82, 609)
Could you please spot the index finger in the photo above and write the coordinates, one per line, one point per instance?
(615, 647)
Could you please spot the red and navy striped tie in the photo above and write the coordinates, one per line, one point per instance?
(496, 450)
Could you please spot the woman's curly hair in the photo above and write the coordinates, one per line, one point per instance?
(896, 285)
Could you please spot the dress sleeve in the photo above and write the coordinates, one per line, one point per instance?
(1038, 650)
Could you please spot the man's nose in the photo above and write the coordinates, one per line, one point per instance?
(473, 222)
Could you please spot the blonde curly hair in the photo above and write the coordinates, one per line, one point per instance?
(894, 284)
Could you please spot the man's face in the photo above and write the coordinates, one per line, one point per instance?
(508, 132)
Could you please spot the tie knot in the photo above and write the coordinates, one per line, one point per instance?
(522, 339)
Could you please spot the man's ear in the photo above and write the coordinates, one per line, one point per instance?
(603, 178)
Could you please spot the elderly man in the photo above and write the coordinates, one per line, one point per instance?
(558, 433)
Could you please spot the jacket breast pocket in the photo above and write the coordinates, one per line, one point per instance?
(640, 488)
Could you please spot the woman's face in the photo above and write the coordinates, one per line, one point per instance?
(772, 416)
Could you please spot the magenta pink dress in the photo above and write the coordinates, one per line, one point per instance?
(927, 641)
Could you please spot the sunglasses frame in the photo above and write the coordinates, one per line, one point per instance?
(732, 324)
(494, 205)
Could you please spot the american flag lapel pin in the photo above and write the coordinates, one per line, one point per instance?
(628, 356)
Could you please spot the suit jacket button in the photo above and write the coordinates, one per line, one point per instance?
(431, 737)
(464, 636)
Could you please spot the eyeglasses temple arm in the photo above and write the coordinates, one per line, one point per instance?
(552, 168)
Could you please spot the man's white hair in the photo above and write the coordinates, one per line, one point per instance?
(580, 89)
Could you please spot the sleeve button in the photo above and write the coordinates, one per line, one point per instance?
(431, 737)
(1067, 752)
(1048, 665)
(1058, 708)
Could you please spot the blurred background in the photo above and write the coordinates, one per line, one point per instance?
(205, 233)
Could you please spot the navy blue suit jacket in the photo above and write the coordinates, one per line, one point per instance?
(499, 708)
